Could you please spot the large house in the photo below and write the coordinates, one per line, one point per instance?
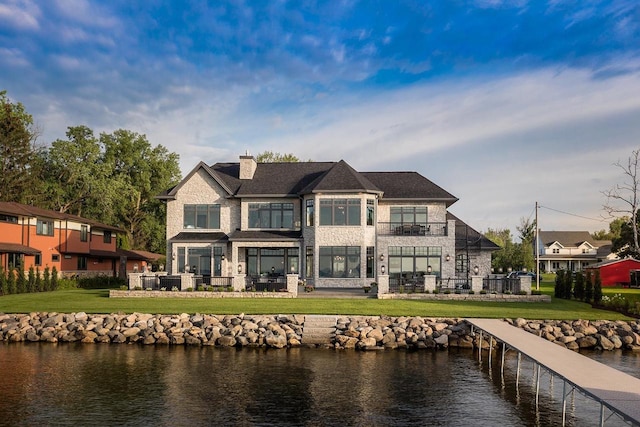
(323, 221)
(571, 250)
(41, 238)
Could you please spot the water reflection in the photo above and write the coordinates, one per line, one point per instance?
(46, 384)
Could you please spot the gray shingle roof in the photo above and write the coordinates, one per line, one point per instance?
(265, 235)
(467, 237)
(567, 238)
(294, 179)
(195, 236)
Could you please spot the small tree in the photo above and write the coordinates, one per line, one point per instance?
(578, 288)
(558, 290)
(11, 281)
(597, 288)
(588, 287)
(31, 280)
(38, 283)
(568, 285)
(46, 279)
(21, 280)
(4, 286)
(54, 278)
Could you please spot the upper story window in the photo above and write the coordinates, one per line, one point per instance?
(106, 237)
(9, 218)
(84, 233)
(310, 213)
(44, 227)
(555, 251)
(371, 218)
(270, 215)
(401, 215)
(202, 216)
(340, 212)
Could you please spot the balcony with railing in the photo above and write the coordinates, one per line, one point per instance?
(412, 229)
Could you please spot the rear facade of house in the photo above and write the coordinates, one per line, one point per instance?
(329, 224)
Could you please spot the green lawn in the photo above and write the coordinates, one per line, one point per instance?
(97, 301)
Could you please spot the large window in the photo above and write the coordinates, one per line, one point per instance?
(82, 262)
(272, 261)
(84, 233)
(340, 212)
(44, 228)
(309, 262)
(339, 261)
(413, 261)
(270, 215)
(462, 264)
(202, 216)
(409, 215)
(310, 212)
(106, 236)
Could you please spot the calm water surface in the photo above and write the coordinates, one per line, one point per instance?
(48, 384)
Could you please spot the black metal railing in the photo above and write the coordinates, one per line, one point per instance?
(266, 284)
(412, 229)
(501, 285)
(217, 282)
(454, 284)
(169, 282)
(150, 282)
(406, 284)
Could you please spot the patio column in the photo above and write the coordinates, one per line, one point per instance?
(476, 283)
(430, 283)
(383, 284)
(135, 279)
(292, 284)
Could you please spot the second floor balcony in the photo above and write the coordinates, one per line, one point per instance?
(412, 229)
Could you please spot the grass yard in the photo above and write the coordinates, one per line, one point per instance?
(97, 301)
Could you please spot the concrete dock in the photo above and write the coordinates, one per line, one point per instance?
(616, 390)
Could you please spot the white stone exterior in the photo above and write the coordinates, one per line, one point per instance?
(201, 188)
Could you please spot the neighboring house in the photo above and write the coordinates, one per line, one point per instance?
(571, 250)
(73, 245)
(615, 272)
(324, 221)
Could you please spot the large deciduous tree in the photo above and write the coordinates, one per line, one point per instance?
(17, 152)
(274, 157)
(137, 173)
(623, 199)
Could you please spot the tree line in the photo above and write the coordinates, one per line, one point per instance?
(112, 178)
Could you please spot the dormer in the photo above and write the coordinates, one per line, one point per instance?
(248, 166)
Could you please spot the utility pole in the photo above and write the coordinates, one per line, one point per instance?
(537, 251)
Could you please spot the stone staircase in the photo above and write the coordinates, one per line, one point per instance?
(319, 329)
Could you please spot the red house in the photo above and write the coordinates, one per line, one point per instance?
(75, 246)
(615, 272)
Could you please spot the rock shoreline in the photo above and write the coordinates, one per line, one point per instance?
(283, 331)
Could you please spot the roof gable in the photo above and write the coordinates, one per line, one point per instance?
(171, 194)
(409, 185)
(567, 238)
(341, 178)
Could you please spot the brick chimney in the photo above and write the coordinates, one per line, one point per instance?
(247, 166)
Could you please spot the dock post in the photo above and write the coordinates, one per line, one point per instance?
(480, 348)
(518, 369)
(537, 382)
(601, 414)
(490, 348)
(504, 349)
(564, 402)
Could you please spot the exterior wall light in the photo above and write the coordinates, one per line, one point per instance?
(239, 268)
(429, 269)
(222, 257)
(524, 269)
(476, 270)
(447, 258)
(381, 257)
(382, 269)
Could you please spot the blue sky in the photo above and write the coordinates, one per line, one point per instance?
(502, 103)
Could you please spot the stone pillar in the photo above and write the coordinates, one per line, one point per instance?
(476, 283)
(525, 284)
(429, 283)
(292, 284)
(135, 279)
(186, 281)
(239, 282)
(383, 284)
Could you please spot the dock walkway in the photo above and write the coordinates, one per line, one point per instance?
(616, 390)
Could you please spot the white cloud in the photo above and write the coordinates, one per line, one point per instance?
(20, 14)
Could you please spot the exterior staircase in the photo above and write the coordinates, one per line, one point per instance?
(319, 329)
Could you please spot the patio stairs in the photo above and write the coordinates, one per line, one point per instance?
(319, 329)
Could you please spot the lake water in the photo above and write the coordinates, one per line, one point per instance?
(131, 385)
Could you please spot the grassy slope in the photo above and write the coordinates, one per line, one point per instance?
(97, 301)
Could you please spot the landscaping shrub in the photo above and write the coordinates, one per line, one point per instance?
(597, 288)
(66, 283)
(101, 282)
(21, 280)
(11, 281)
(4, 285)
(588, 287)
(38, 280)
(31, 280)
(578, 289)
(568, 285)
(46, 279)
(558, 290)
(54, 279)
